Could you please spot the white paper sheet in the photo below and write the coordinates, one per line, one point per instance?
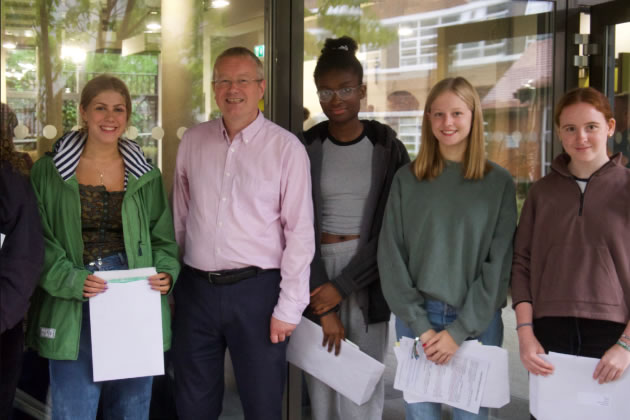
(496, 393)
(126, 323)
(572, 393)
(460, 383)
(352, 373)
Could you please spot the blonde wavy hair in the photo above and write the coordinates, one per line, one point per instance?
(429, 163)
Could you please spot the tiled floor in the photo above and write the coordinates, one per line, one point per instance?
(517, 409)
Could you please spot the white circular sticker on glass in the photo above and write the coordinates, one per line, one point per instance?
(131, 133)
(21, 131)
(180, 132)
(157, 133)
(50, 131)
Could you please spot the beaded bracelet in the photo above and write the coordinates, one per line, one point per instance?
(626, 337)
(524, 324)
(624, 345)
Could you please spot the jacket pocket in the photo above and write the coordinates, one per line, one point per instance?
(581, 275)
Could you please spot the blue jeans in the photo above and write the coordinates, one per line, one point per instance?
(440, 315)
(75, 395)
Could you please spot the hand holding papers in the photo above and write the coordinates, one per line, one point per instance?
(572, 393)
(352, 373)
(476, 376)
(126, 324)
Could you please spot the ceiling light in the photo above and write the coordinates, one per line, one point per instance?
(153, 21)
(218, 4)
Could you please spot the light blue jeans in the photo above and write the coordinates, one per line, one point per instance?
(74, 393)
(440, 315)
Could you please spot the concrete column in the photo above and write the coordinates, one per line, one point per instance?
(175, 105)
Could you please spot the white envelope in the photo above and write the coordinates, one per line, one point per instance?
(352, 373)
(570, 392)
(126, 327)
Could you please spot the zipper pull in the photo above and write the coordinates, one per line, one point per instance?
(139, 249)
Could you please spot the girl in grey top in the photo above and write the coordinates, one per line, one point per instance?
(352, 165)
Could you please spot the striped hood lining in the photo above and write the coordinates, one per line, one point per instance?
(67, 152)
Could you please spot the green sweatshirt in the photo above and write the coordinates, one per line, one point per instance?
(449, 239)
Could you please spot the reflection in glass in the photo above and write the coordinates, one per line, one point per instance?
(503, 47)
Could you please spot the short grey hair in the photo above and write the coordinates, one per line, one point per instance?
(240, 52)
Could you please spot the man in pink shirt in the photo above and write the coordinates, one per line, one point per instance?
(244, 220)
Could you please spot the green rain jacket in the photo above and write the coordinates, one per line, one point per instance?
(54, 318)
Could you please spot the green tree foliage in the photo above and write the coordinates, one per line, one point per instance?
(346, 17)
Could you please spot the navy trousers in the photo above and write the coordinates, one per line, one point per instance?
(210, 318)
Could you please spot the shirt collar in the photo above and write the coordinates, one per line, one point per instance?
(248, 133)
(67, 152)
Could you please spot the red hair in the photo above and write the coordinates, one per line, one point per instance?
(587, 95)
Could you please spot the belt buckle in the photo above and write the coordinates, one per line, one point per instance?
(210, 274)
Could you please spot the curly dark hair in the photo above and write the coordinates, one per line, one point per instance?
(339, 54)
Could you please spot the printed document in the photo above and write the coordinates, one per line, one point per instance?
(496, 393)
(476, 376)
(352, 373)
(570, 392)
(126, 323)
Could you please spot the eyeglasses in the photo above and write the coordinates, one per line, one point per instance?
(326, 95)
(241, 83)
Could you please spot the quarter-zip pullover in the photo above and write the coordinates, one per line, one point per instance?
(572, 253)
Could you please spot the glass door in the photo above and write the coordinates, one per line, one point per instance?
(609, 65)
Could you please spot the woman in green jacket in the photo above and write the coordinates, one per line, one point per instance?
(103, 207)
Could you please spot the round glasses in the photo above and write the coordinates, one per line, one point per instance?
(326, 95)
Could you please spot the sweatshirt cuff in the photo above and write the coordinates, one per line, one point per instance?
(420, 325)
(457, 331)
(343, 286)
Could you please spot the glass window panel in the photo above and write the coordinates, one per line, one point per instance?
(512, 74)
(48, 58)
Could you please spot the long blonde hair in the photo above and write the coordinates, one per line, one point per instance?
(429, 163)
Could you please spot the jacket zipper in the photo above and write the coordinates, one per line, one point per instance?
(582, 194)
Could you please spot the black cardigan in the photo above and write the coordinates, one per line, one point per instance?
(362, 271)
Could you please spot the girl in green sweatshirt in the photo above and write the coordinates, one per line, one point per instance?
(445, 248)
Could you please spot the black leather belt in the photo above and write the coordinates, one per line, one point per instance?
(224, 277)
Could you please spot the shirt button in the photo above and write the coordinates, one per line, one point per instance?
(218, 249)
(231, 150)
(224, 199)
(220, 224)
(227, 174)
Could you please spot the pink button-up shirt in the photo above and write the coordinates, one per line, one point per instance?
(247, 202)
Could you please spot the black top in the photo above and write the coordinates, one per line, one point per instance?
(22, 252)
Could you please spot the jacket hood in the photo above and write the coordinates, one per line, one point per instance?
(376, 131)
(561, 164)
(67, 152)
